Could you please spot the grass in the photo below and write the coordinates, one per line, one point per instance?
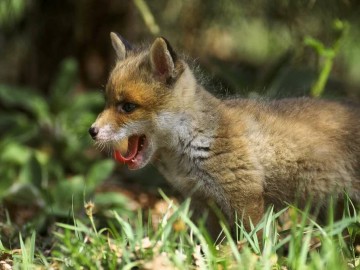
(295, 242)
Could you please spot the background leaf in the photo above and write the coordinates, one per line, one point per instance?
(98, 173)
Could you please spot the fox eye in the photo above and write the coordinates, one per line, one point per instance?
(126, 107)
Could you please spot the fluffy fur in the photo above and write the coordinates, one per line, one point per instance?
(242, 154)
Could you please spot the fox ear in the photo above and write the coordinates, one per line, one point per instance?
(162, 59)
(120, 45)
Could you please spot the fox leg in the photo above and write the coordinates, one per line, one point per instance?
(249, 209)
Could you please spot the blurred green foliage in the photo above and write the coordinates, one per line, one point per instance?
(11, 11)
(43, 151)
(328, 55)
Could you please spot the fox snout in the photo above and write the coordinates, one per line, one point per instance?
(93, 131)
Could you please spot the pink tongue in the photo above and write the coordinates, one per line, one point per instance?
(133, 143)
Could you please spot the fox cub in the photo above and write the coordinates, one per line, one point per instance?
(241, 154)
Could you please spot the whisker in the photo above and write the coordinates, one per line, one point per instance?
(109, 150)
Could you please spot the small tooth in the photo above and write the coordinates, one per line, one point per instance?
(133, 160)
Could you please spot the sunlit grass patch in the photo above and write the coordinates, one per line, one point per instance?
(176, 242)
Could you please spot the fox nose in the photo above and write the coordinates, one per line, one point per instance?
(93, 131)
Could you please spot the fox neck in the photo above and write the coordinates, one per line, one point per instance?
(182, 158)
(191, 126)
(186, 135)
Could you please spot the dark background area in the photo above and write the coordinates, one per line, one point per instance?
(247, 46)
(56, 56)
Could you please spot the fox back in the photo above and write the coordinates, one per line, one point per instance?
(241, 154)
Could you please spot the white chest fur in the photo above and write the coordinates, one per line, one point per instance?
(184, 146)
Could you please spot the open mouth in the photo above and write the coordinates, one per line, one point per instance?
(134, 155)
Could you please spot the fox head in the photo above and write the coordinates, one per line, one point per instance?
(145, 90)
